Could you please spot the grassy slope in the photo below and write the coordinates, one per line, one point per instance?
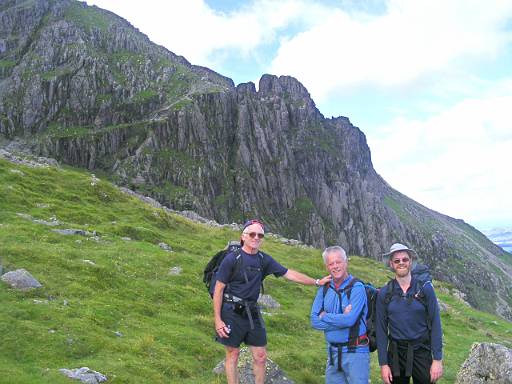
(165, 320)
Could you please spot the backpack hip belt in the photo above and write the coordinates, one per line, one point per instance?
(245, 307)
(362, 340)
(229, 298)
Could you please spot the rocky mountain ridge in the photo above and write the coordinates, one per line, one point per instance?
(87, 88)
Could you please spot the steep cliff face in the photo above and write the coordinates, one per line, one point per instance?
(66, 65)
(92, 91)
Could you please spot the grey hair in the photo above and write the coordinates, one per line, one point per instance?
(336, 248)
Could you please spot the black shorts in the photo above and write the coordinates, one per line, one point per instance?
(241, 329)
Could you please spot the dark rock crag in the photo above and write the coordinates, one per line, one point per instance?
(90, 90)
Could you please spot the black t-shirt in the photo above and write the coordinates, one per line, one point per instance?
(251, 264)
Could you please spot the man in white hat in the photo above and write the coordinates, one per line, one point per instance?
(409, 335)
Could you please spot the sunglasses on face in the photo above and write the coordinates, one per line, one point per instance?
(252, 235)
(404, 260)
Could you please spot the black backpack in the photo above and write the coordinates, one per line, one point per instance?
(371, 300)
(210, 271)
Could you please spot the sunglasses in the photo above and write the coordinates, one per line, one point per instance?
(404, 260)
(252, 235)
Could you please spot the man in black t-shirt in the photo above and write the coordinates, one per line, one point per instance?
(237, 316)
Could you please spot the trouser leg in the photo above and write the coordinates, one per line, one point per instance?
(421, 366)
(356, 367)
(332, 374)
(397, 359)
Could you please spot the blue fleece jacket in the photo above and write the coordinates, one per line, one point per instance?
(405, 319)
(334, 323)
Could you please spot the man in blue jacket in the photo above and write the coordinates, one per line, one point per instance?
(409, 335)
(340, 310)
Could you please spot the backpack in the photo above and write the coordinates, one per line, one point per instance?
(371, 300)
(210, 271)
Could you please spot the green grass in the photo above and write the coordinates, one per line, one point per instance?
(88, 133)
(165, 321)
(58, 72)
(87, 17)
(145, 95)
(5, 63)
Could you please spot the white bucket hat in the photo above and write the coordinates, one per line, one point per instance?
(396, 248)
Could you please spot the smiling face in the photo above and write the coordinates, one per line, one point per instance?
(252, 237)
(337, 266)
(401, 263)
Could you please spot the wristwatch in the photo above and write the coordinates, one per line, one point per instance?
(317, 282)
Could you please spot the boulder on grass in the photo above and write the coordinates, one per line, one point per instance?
(267, 302)
(21, 279)
(488, 363)
(84, 374)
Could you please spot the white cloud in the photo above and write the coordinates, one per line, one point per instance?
(456, 162)
(410, 40)
(194, 30)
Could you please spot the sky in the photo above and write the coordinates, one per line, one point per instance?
(428, 82)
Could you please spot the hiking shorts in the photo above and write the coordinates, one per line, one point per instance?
(241, 329)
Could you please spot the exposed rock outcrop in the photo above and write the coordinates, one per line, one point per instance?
(273, 374)
(85, 375)
(487, 363)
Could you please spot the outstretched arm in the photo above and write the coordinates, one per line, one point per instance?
(301, 278)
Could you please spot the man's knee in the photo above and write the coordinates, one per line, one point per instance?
(232, 354)
(259, 355)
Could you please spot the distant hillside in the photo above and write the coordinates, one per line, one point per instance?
(501, 237)
(108, 301)
(85, 87)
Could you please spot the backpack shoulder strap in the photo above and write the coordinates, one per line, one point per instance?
(418, 291)
(389, 292)
(263, 259)
(325, 288)
(350, 285)
(238, 263)
(353, 334)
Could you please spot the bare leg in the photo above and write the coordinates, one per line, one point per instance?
(231, 364)
(259, 359)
